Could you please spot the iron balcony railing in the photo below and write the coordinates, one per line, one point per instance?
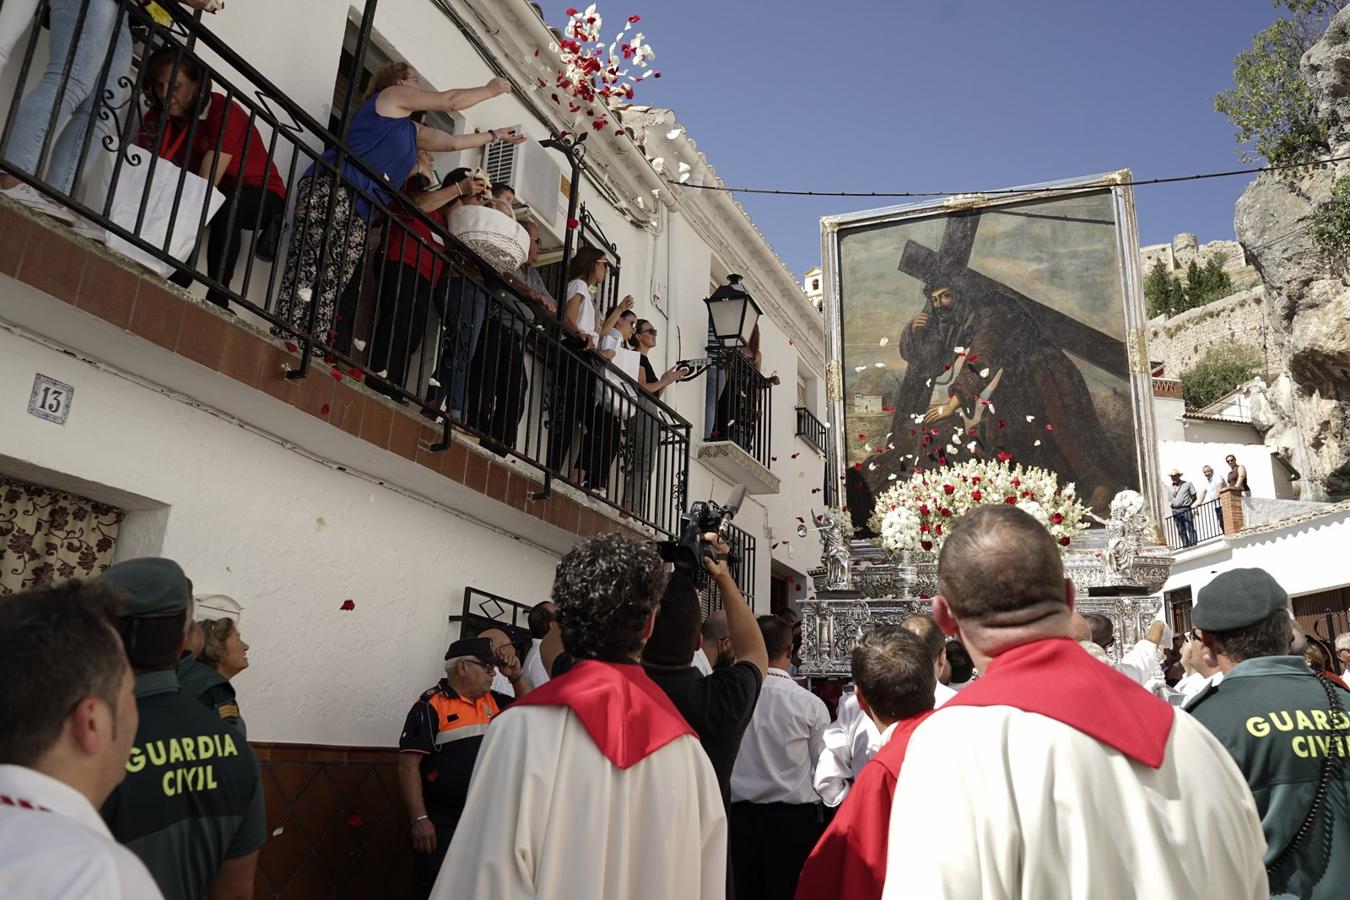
(740, 404)
(741, 563)
(448, 335)
(1188, 527)
(810, 429)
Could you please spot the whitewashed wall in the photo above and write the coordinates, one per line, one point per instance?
(243, 518)
(1190, 458)
(1304, 558)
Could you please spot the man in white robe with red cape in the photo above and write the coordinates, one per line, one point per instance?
(1054, 775)
(593, 785)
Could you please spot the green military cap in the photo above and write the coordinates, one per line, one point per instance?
(1238, 598)
(151, 587)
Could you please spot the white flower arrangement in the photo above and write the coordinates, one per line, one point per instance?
(916, 514)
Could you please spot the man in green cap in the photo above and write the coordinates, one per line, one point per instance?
(1286, 728)
(191, 806)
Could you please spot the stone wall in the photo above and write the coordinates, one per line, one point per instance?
(1179, 341)
(1186, 247)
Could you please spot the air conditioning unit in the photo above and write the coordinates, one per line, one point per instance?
(534, 174)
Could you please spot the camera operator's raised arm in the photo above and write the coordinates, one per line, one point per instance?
(746, 639)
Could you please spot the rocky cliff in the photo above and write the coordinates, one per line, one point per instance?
(1305, 412)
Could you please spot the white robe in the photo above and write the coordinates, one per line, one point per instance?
(993, 803)
(549, 816)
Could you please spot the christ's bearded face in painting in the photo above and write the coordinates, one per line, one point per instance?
(942, 298)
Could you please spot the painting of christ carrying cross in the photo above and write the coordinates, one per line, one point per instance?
(991, 332)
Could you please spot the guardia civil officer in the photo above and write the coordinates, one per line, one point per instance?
(1286, 728)
(191, 806)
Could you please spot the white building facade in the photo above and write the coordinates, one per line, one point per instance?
(269, 493)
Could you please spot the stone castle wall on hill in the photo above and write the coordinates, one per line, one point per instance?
(1179, 341)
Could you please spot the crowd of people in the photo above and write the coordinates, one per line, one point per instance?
(363, 249)
(627, 745)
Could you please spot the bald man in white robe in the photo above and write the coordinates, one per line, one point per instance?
(1053, 775)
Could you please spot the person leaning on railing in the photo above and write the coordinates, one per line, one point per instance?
(200, 130)
(574, 379)
(68, 101)
(332, 216)
(413, 273)
(644, 428)
(604, 428)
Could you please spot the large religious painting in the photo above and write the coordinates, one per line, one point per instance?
(1005, 326)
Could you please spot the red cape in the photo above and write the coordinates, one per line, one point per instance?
(1058, 679)
(623, 710)
(849, 860)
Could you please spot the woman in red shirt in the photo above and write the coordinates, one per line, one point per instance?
(222, 146)
(413, 270)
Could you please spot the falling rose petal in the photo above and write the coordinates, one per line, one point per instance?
(871, 467)
(879, 365)
(433, 382)
(731, 422)
(1049, 427)
(355, 372)
(1031, 418)
(815, 490)
(959, 350)
(800, 519)
(336, 373)
(292, 346)
(857, 466)
(792, 342)
(773, 459)
(278, 831)
(862, 437)
(773, 546)
(323, 410)
(857, 369)
(795, 455)
(573, 224)
(348, 604)
(355, 821)
(885, 341)
(1036, 443)
(433, 775)
(888, 409)
(674, 133)
(358, 344)
(984, 373)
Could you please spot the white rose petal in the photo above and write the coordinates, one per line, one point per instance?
(880, 365)
(674, 133)
(885, 341)
(358, 343)
(1031, 418)
(984, 373)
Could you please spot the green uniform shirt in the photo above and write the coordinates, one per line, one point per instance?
(211, 689)
(192, 797)
(1273, 716)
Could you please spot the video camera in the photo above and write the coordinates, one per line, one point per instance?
(687, 554)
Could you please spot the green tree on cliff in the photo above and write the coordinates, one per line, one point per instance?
(1219, 371)
(1269, 102)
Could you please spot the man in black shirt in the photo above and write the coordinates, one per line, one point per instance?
(717, 706)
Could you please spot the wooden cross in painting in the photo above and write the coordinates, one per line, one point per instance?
(952, 261)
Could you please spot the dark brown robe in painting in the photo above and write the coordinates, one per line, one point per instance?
(1037, 380)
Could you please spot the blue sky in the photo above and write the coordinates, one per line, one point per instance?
(951, 95)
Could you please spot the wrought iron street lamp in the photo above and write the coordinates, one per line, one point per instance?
(733, 313)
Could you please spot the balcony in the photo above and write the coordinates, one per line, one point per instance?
(739, 423)
(810, 429)
(357, 308)
(1201, 523)
(741, 563)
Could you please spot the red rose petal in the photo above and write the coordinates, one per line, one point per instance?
(1064, 541)
(336, 373)
(354, 372)
(348, 604)
(293, 346)
(323, 410)
(1049, 427)
(433, 775)
(572, 224)
(355, 821)
(858, 466)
